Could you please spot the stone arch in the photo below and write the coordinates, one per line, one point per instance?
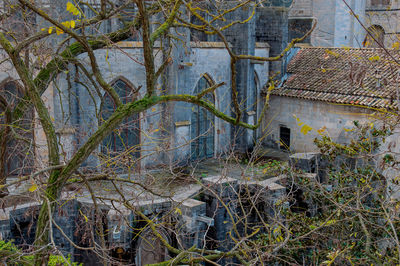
(209, 80)
(124, 142)
(150, 249)
(124, 79)
(202, 129)
(375, 37)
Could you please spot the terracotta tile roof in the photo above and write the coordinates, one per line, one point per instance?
(353, 76)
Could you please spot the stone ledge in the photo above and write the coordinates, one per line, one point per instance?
(218, 45)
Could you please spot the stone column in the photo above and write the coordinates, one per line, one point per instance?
(221, 198)
(194, 222)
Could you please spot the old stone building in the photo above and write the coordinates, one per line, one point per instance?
(328, 89)
(178, 133)
(174, 134)
(338, 27)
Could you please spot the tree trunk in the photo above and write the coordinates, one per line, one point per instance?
(4, 132)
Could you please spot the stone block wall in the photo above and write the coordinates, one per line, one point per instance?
(272, 28)
(301, 8)
(316, 114)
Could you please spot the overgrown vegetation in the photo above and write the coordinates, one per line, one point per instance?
(344, 214)
(11, 255)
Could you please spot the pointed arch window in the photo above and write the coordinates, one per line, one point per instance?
(16, 143)
(202, 124)
(126, 138)
(375, 38)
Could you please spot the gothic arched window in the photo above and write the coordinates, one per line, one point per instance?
(126, 138)
(202, 124)
(375, 37)
(16, 143)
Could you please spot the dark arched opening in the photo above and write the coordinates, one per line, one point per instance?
(202, 124)
(122, 146)
(16, 137)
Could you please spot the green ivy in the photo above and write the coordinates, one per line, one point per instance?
(11, 254)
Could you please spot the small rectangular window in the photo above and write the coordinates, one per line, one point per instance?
(284, 135)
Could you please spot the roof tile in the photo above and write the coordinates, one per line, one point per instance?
(343, 75)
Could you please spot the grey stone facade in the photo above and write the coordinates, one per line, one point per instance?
(78, 111)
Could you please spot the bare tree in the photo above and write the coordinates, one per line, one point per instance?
(43, 42)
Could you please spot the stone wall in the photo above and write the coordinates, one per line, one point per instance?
(182, 221)
(272, 28)
(313, 113)
(336, 26)
(78, 114)
(301, 8)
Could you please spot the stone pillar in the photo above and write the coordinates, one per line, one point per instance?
(243, 38)
(194, 222)
(221, 191)
(263, 195)
(272, 28)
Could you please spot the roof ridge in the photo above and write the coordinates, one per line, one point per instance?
(341, 93)
(345, 48)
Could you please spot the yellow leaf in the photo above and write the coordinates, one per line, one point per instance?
(156, 130)
(66, 24)
(43, 29)
(59, 31)
(84, 216)
(69, 6)
(331, 222)
(348, 129)
(321, 130)
(323, 70)
(374, 58)
(396, 45)
(305, 129)
(153, 109)
(50, 30)
(33, 188)
(72, 9)
(177, 210)
(73, 24)
(332, 53)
